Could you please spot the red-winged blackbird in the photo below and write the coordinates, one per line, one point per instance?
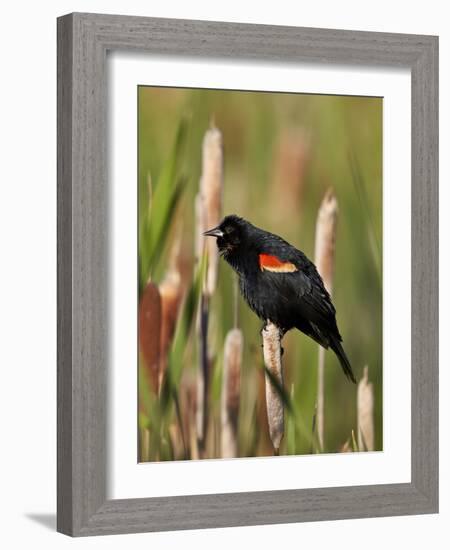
(280, 283)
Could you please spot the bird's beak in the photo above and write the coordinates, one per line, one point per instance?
(216, 232)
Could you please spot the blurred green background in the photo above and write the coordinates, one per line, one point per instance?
(281, 153)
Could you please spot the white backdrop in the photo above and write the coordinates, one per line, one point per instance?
(28, 275)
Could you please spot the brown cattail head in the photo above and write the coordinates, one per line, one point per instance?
(210, 207)
(231, 393)
(150, 333)
(272, 359)
(326, 238)
(365, 402)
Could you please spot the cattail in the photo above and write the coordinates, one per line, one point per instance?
(211, 184)
(324, 259)
(171, 292)
(231, 393)
(365, 402)
(150, 333)
(208, 214)
(292, 153)
(272, 359)
(200, 227)
(326, 238)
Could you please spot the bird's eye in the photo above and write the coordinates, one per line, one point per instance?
(228, 229)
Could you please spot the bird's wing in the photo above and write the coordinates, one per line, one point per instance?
(274, 264)
(297, 278)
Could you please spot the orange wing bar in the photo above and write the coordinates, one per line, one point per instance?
(267, 262)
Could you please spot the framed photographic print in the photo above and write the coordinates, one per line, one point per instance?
(247, 274)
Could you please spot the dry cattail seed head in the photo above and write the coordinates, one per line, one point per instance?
(324, 259)
(272, 359)
(326, 238)
(200, 227)
(365, 403)
(231, 392)
(208, 214)
(211, 185)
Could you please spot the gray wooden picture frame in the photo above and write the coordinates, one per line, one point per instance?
(83, 42)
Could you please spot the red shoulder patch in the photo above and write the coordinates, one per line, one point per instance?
(268, 262)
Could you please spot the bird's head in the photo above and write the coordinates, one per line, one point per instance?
(231, 235)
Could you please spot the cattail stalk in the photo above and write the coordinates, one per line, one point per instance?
(150, 333)
(365, 405)
(271, 336)
(203, 375)
(231, 393)
(208, 215)
(265, 447)
(324, 259)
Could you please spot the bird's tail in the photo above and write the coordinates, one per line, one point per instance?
(336, 346)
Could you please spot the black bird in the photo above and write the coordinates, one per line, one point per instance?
(280, 284)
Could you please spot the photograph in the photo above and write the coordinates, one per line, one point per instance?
(260, 276)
